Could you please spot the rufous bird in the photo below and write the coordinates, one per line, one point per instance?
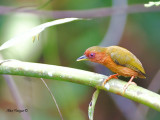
(119, 60)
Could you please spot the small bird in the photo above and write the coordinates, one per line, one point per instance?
(118, 59)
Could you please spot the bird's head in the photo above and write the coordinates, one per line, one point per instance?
(94, 54)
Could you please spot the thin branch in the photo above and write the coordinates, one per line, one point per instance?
(91, 13)
(136, 93)
(53, 98)
(16, 95)
(45, 4)
(117, 24)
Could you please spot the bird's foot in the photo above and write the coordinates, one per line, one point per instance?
(129, 83)
(110, 77)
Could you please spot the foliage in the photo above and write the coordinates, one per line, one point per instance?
(150, 4)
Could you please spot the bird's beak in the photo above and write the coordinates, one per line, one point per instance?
(83, 57)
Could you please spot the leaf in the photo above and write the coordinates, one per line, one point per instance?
(150, 4)
(34, 32)
(92, 104)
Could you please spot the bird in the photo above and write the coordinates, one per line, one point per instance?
(117, 59)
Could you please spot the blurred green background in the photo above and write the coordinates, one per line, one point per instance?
(62, 45)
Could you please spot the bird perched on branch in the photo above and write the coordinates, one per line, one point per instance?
(119, 60)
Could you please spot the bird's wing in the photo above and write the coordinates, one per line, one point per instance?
(125, 58)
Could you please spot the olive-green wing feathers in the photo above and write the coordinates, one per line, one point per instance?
(123, 57)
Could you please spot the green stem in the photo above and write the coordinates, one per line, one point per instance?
(136, 93)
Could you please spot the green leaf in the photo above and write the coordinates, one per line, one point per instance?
(34, 32)
(92, 104)
(150, 4)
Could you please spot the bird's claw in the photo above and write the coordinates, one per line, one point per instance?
(128, 84)
(110, 77)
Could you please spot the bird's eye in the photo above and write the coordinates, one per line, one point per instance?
(91, 55)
